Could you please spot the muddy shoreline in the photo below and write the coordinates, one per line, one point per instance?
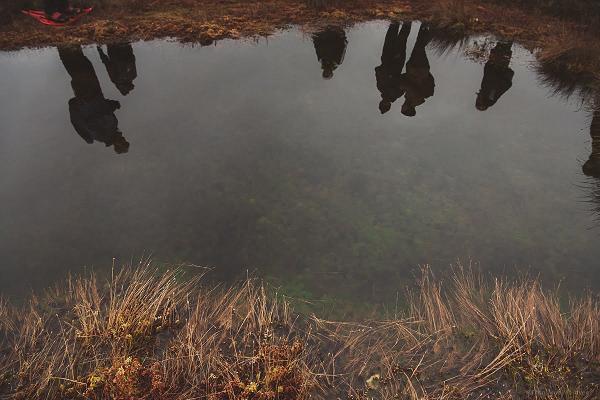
(204, 21)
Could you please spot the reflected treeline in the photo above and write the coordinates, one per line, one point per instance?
(92, 115)
(417, 83)
(330, 46)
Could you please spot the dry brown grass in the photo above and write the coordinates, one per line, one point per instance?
(150, 335)
(474, 340)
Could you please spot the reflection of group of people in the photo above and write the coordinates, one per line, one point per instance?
(92, 115)
(416, 83)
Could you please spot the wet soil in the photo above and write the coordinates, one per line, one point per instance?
(204, 21)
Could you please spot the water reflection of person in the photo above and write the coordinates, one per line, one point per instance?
(497, 76)
(330, 46)
(120, 65)
(418, 81)
(592, 166)
(389, 73)
(91, 114)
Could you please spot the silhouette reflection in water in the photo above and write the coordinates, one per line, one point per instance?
(120, 65)
(497, 76)
(330, 46)
(592, 166)
(389, 73)
(418, 81)
(91, 114)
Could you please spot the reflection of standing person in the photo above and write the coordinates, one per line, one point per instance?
(497, 76)
(120, 65)
(389, 73)
(592, 165)
(91, 114)
(418, 81)
(330, 46)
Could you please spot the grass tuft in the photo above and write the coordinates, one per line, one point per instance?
(150, 335)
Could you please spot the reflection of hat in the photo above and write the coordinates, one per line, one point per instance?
(125, 87)
(328, 71)
(408, 110)
(121, 145)
(591, 167)
(482, 103)
(384, 106)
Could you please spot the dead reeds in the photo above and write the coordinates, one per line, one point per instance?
(151, 335)
(471, 339)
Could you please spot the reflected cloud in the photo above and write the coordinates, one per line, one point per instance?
(92, 115)
(330, 46)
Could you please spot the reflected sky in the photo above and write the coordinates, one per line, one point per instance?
(241, 156)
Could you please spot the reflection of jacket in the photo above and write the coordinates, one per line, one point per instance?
(330, 46)
(497, 76)
(389, 83)
(94, 119)
(91, 114)
(393, 56)
(418, 81)
(120, 65)
(419, 84)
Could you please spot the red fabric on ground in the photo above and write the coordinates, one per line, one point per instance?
(41, 17)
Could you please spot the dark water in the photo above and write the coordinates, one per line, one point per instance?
(243, 157)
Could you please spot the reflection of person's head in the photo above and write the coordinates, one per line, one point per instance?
(328, 70)
(121, 145)
(384, 106)
(125, 87)
(408, 109)
(481, 103)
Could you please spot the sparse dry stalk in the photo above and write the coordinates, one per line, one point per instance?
(154, 335)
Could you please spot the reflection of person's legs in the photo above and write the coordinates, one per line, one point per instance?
(389, 45)
(400, 49)
(84, 79)
(394, 47)
(418, 57)
(403, 36)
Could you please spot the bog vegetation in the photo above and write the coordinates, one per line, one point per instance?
(150, 335)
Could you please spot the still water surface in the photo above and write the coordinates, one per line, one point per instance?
(330, 163)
